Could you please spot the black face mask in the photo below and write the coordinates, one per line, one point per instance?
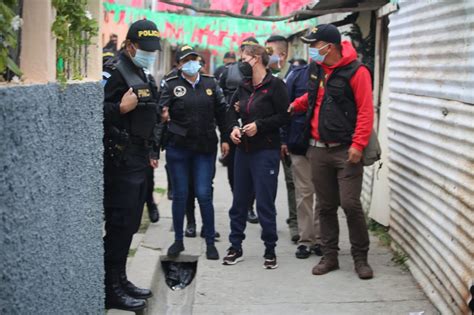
(245, 69)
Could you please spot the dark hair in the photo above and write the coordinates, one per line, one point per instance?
(258, 50)
(280, 41)
(276, 38)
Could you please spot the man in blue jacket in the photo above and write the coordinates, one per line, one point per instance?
(306, 209)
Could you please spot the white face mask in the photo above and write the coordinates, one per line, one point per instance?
(144, 59)
(191, 67)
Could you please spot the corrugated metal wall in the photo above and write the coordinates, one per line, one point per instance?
(431, 142)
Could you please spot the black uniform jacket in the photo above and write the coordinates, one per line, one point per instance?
(194, 112)
(114, 89)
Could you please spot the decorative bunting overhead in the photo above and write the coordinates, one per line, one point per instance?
(289, 6)
(137, 3)
(172, 8)
(254, 7)
(258, 6)
(234, 6)
(215, 33)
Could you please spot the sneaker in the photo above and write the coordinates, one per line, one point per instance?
(190, 230)
(303, 252)
(270, 261)
(325, 265)
(363, 269)
(233, 256)
(316, 249)
(252, 217)
(212, 253)
(175, 249)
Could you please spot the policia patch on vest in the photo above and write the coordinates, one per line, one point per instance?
(179, 91)
(141, 92)
(209, 92)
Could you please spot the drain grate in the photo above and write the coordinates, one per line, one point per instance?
(179, 275)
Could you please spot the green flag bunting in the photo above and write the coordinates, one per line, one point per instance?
(215, 33)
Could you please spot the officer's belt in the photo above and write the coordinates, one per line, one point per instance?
(138, 141)
(137, 149)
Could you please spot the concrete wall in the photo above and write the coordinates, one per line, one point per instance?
(51, 199)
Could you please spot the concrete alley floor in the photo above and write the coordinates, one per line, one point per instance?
(246, 288)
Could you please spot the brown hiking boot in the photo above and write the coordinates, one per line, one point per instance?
(326, 264)
(363, 269)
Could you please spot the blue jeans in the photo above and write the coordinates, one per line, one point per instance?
(255, 172)
(181, 162)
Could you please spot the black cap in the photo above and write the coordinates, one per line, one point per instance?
(276, 38)
(185, 51)
(146, 34)
(107, 54)
(229, 54)
(249, 41)
(324, 32)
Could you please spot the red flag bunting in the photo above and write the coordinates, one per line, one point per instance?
(172, 8)
(289, 6)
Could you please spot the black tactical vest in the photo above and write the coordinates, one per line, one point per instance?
(338, 111)
(144, 117)
(192, 114)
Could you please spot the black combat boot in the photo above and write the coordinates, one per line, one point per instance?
(153, 212)
(115, 296)
(132, 289)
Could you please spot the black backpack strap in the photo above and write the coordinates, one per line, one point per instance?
(129, 74)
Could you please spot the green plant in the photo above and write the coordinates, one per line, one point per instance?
(132, 252)
(160, 190)
(9, 25)
(400, 258)
(74, 29)
(380, 231)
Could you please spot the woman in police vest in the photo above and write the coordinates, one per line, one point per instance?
(192, 103)
(263, 101)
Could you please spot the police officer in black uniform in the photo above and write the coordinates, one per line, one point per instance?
(132, 134)
(193, 103)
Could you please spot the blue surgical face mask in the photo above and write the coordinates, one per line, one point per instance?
(315, 55)
(274, 59)
(144, 59)
(191, 67)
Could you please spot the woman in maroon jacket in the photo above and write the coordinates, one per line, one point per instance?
(263, 102)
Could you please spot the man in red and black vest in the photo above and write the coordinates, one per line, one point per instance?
(339, 122)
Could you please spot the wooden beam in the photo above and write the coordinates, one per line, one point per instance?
(38, 47)
(386, 10)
